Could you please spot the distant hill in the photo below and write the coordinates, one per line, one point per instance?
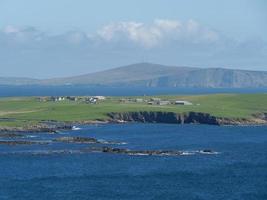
(143, 74)
(154, 75)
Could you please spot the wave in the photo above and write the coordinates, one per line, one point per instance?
(75, 128)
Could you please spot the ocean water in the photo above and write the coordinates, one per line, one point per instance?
(7, 91)
(238, 172)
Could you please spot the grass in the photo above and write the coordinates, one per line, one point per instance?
(27, 110)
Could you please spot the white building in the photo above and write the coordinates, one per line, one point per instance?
(139, 100)
(180, 102)
(57, 98)
(162, 103)
(99, 97)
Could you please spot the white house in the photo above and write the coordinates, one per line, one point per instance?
(99, 97)
(162, 103)
(57, 98)
(180, 102)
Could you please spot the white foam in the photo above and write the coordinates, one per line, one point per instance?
(187, 153)
(138, 154)
(31, 136)
(207, 152)
(75, 128)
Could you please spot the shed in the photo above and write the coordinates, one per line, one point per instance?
(181, 102)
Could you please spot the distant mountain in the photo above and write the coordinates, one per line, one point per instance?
(154, 75)
(143, 74)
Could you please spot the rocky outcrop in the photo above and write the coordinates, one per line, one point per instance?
(149, 152)
(24, 142)
(48, 127)
(10, 135)
(84, 140)
(165, 117)
(110, 150)
(184, 118)
(140, 152)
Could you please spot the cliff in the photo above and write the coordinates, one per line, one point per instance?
(184, 118)
(154, 75)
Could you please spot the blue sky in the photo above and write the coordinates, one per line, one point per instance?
(67, 37)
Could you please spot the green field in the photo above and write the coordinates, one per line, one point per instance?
(21, 111)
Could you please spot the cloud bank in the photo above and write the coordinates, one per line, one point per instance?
(28, 51)
(159, 32)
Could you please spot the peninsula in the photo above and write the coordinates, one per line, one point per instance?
(49, 114)
(155, 75)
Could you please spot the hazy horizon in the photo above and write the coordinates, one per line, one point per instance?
(129, 65)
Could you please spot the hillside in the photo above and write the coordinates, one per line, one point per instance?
(154, 75)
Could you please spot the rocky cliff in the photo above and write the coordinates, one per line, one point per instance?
(182, 118)
(154, 75)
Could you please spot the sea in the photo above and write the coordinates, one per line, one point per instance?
(81, 90)
(237, 171)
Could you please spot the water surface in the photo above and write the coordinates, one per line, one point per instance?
(7, 91)
(238, 172)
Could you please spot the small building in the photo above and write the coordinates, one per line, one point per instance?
(138, 100)
(72, 98)
(123, 100)
(91, 100)
(42, 99)
(155, 99)
(162, 103)
(57, 98)
(181, 102)
(99, 97)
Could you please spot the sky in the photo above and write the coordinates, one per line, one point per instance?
(45, 39)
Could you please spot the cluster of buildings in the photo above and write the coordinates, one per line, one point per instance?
(86, 99)
(156, 101)
(97, 99)
(94, 99)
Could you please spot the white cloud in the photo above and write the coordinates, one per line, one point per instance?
(10, 29)
(134, 31)
(22, 34)
(155, 34)
(163, 41)
(151, 35)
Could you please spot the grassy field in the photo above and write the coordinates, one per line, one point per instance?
(20, 111)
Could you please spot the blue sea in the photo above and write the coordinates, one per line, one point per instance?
(237, 172)
(8, 91)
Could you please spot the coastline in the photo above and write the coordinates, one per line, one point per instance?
(186, 118)
(141, 117)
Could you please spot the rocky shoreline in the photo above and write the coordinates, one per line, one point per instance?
(142, 117)
(23, 142)
(149, 152)
(47, 127)
(185, 118)
(92, 149)
(105, 150)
